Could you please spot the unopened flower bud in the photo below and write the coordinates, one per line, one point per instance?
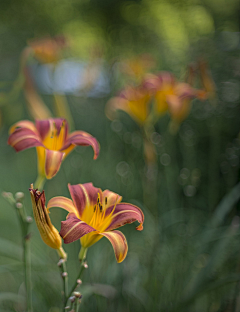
(77, 294)
(19, 196)
(85, 265)
(79, 282)
(64, 274)
(29, 219)
(19, 205)
(60, 262)
(72, 299)
(48, 232)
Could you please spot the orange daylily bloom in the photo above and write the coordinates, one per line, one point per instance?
(135, 101)
(171, 95)
(93, 214)
(48, 232)
(48, 50)
(52, 140)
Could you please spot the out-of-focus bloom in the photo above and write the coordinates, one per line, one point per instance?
(135, 101)
(179, 101)
(207, 81)
(48, 50)
(94, 213)
(52, 140)
(171, 95)
(138, 66)
(48, 232)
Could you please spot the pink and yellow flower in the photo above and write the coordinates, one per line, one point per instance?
(94, 214)
(171, 95)
(52, 141)
(135, 101)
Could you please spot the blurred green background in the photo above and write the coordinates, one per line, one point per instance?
(187, 258)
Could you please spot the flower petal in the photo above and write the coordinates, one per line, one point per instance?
(112, 198)
(46, 125)
(64, 203)
(23, 138)
(119, 243)
(84, 196)
(23, 124)
(53, 162)
(73, 228)
(124, 213)
(83, 139)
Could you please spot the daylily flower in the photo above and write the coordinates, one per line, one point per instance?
(48, 232)
(48, 50)
(52, 140)
(135, 101)
(171, 95)
(94, 213)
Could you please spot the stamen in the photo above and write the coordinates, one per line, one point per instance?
(100, 207)
(94, 209)
(105, 200)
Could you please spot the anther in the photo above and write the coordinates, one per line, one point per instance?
(94, 209)
(100, 206)
(105, 200)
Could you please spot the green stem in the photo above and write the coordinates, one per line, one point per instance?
(24, 222)
(75, 284)
(39, 183)
(27, 271)
(63, 268)
(76, 305)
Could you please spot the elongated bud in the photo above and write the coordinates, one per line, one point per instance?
(48, 232)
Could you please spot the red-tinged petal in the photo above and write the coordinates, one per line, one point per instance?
(124, 213)
(44, 126)
(73, 228)
(84, 196)
(119, 243)
(23, 138)
(64, 203)
(53, 162)
(112, 198)
(83, 139)
(26, 124)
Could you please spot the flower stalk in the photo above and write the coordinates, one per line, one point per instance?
(24, 221)
(83, 266)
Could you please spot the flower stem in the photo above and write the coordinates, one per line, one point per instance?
(24, 221)
(83, 266)
(64, 274)
(27, 271)
(39, 183)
